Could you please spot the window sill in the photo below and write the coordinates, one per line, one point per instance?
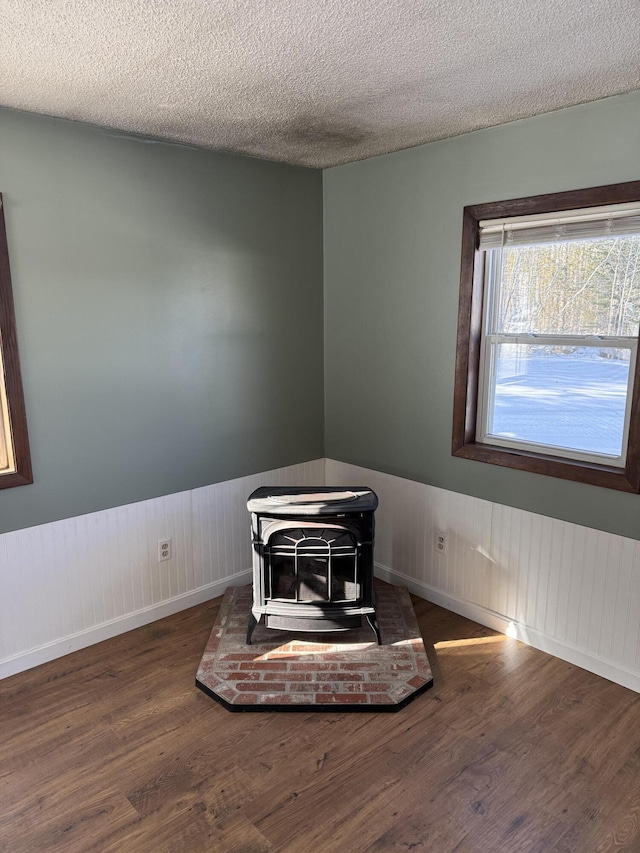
(8, 481)
(607, 476)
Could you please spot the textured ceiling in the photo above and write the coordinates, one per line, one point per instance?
(314, 82)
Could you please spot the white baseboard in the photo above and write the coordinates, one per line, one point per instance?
(539, 640)
(112, 628)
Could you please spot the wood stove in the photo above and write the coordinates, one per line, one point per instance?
(313, 558)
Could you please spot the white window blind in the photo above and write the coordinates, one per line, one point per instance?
(589, 224)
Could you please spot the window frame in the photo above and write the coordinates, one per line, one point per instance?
(468, 354)
(12, 407)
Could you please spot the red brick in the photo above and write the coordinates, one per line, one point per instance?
(304, 686)
(246, 699)
(401, 692)
(339, 676)
(226, 693)
(314, 667)
(289, 676)
(341, 698)
(369, 687)
(261, 687)
(417, 681)
(285, 699)
(212, 683)
(361, 666)
(242, 676)
(381, 699)
(264, 666)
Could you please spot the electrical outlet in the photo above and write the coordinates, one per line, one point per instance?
(441, 543)
(164, 549)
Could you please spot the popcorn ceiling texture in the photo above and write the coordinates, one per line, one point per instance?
(312, 82)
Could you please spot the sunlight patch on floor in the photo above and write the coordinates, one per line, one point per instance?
(471, 641)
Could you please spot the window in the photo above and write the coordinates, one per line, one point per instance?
(15, 461)
(547, 362)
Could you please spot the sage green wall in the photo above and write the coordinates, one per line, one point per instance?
(392, 260)
(169, 311)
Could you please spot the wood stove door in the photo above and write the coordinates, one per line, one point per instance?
(314, 563)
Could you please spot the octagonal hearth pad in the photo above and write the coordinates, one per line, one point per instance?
(286, 671)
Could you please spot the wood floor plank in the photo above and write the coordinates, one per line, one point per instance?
(114, 749)
(79, 822)
(63, 768)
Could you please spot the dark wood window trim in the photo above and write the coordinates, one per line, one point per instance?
(12, 382)
(465, 405)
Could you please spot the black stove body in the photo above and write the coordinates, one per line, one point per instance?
(313, 558)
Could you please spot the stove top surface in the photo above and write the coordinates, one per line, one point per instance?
(311, 500)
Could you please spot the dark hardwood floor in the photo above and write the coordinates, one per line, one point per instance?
(114, 749)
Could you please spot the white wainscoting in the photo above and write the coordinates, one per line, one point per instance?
(71, 583)
(565, 589)
(569, 590)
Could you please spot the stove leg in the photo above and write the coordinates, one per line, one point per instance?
(373, 622)
(252, 624)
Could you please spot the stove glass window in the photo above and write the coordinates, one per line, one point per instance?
(313, 565)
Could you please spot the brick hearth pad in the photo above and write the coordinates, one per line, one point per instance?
(286, 671)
